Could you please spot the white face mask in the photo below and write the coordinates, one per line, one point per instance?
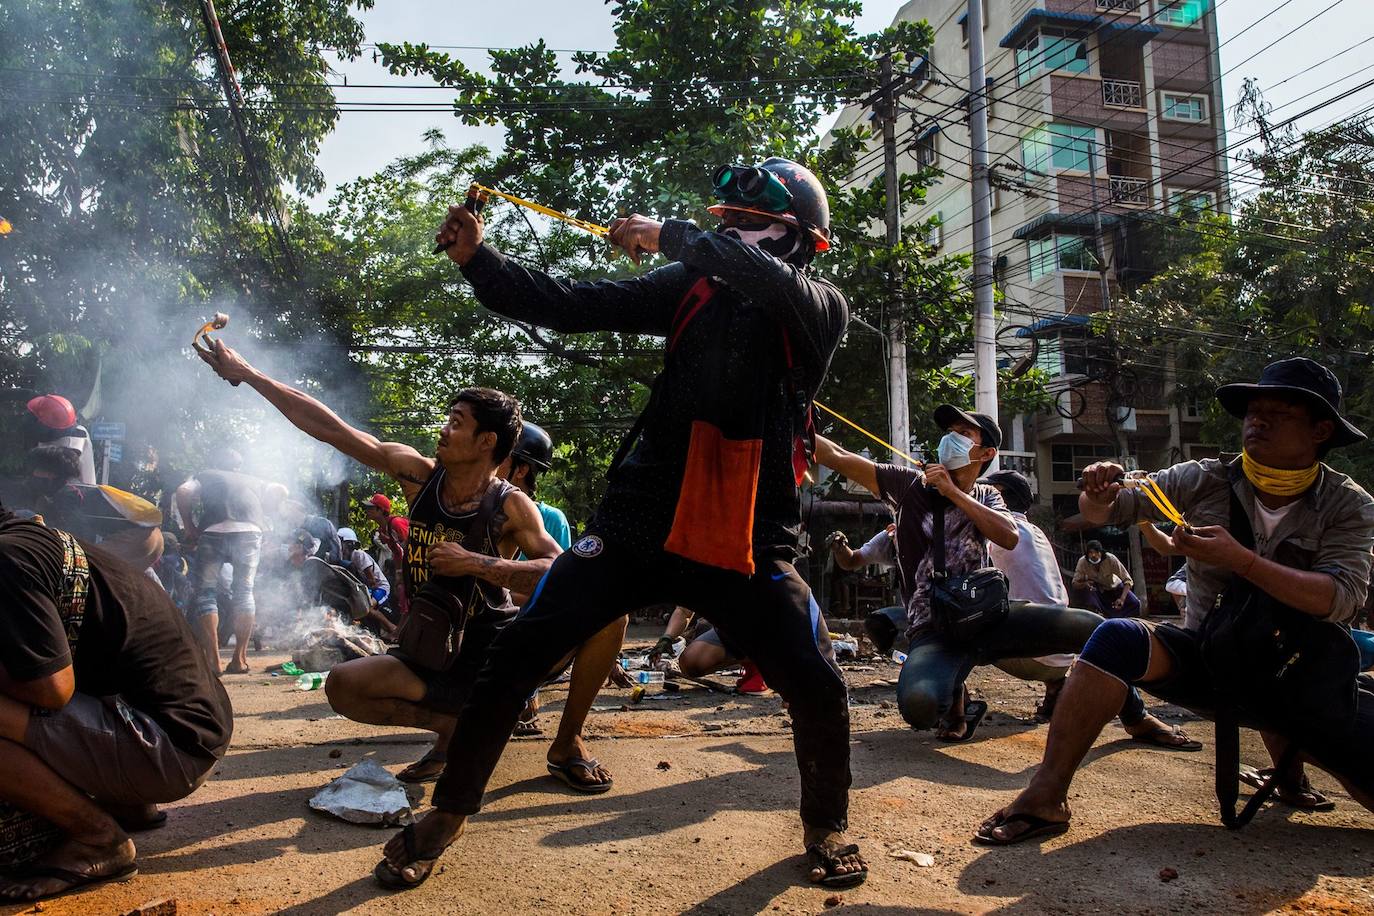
(1095, 562)
(778, 239)
(954, 449)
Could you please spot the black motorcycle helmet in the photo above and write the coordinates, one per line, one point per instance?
(809, 210)
(534, 448)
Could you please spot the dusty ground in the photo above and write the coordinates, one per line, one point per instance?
(717, 831)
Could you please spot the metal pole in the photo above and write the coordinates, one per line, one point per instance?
(984, 321)
(899, 421)
(1097, 226)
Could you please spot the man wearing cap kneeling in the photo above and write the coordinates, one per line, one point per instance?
(930, 691)
(1275, 522)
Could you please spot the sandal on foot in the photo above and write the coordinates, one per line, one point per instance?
(1169, 739)
(974, 711)
(1036, 827)
(563, 773)
(1303, 797)
(141, 821)
(423, 770)
(391, 878)
(527, 728)
(75, 880)
(821, 856)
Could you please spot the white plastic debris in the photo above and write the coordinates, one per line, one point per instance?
(365, 794)
(919, 859)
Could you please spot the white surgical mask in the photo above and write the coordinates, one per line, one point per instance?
(954, 451)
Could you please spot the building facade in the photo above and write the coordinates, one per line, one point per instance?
(1101, 113)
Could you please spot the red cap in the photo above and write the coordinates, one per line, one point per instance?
(53, 411)
(381, 502)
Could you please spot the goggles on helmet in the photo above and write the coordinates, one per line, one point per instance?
(753, 186)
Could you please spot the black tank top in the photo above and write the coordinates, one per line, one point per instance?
(430, 523)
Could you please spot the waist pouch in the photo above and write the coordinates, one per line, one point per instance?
(963, 608)
(714, 520)
(432, 633)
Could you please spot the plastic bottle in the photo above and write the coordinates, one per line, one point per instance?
(898, 657)
(649, 677)
(634, 662)
(311, 680)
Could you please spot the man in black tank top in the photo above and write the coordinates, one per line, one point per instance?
(444, 492)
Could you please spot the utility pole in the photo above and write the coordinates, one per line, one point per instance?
(984, 321)
(899, 422)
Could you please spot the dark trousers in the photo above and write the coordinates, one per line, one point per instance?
(1101, 601)
(770, 616)
(935, 669)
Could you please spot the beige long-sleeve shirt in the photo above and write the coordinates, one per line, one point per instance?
(1329, 530)
(1104, 575)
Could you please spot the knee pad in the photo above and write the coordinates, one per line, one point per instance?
(1119, 647)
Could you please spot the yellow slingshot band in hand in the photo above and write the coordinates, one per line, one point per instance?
(591, 227)
(1156, 495)
(885, 444)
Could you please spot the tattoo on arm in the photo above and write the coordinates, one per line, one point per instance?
(517, 575)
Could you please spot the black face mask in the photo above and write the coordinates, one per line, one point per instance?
(782, 240)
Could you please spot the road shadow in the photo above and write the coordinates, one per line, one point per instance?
(1273, 862)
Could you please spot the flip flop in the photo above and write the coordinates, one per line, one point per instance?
(526, 729)
(974, 711)
(76, 880)
(1036, 827)
(417, 777)
(563, 773)
(1160, 739)
(1306, 798)
(828, 858)
(390, 877)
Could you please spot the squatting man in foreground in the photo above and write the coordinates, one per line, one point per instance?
(702, 507)
(107, 707)
(1275, 523)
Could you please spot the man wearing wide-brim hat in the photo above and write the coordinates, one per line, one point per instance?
(1310, 532)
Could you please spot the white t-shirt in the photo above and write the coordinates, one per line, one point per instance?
(1032, 573)
(879, 551)
(1269, 519)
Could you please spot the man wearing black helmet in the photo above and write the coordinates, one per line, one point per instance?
(702, 507)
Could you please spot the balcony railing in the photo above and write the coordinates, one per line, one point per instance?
(1125, 93)
(1118, 6)
(1130, 192)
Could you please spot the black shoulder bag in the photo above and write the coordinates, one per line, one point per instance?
(1274, 668)
(432, 633)
(962, 608)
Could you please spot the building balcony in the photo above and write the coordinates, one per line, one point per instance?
(1122, 93)
(1129, 192)
(1117, 6)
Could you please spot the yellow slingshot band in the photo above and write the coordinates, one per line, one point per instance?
(885, 444)
(591, 227)
(1155, 494)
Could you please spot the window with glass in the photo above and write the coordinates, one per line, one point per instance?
(1059, 252)
(1050, 52)
(1067, 462)
(1185, 107)
(1186, 202)
(1059, 147)
(1183, 13)
(927, 155)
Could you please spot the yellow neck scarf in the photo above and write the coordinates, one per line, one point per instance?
(1276, 481)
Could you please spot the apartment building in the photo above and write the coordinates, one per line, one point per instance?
(1102, 113)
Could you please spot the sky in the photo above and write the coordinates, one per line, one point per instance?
(1263, 39)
